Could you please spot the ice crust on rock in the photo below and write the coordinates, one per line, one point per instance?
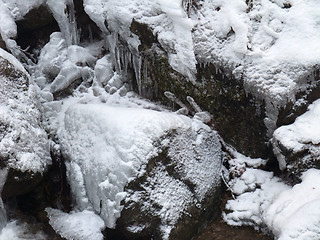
(302, 135)
(167, 19)
(107, 147)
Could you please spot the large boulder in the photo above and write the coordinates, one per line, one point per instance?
(148, 174)
(242, 67)
(24, 147)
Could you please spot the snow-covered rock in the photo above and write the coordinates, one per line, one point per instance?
(23, 143)
(76, 225)
(24, 147)
(268, 204)
(297, 145)
(123, 159)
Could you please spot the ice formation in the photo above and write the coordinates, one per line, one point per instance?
(64, 13)
(167, 19)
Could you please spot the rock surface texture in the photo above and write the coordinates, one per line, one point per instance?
(24, 147)
(78, 77)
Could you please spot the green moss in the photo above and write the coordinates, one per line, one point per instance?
(238, 117)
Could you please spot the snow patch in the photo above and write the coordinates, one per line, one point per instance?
(76, 225)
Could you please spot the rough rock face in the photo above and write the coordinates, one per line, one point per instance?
(24, 147)
(179, 192)
(297, 145)
(238, 116)
(156, 174)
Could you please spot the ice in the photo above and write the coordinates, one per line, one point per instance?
(61, 65)
(76, 225)
(64, 13)
(8, 28)
(103, 70)
(173, 29)
(52, 56)
(19, 8)
(68, 74)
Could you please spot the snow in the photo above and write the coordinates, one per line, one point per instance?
(171, 195)
(20, 8)
(298, 136)
(183, 60)
(266, 203)
(76, 225)
(167, 18)
(295, 213)
(16, 230)
(107, 146)
(23, 142)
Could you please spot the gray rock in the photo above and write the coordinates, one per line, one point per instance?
(24, 147)
(179, 191)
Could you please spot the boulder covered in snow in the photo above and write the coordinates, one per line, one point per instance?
(242, 60)
(24, 147)
(268, 204)
(297, 145)
(148, 174)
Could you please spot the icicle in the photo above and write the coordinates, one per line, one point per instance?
(194, 104)
(145, 71)
(137, 70)
(184, 109)
(111, 42)
(64, 14)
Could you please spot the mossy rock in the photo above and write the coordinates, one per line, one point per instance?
(237, 115)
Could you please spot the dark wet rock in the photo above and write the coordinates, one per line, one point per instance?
(237, 115)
